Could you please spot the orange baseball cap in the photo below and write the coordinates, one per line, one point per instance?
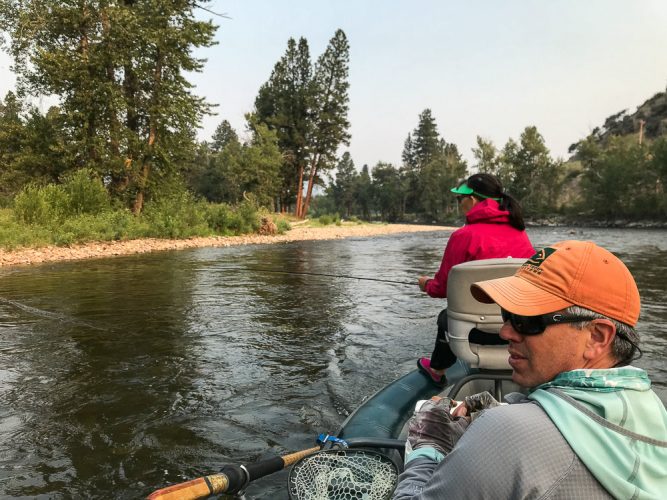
(564, 274)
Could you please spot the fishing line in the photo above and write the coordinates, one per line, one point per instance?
(48, 314)
(410, 283)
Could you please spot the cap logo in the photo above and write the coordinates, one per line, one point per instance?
(533, 264)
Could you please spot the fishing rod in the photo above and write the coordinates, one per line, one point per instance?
(410, 283)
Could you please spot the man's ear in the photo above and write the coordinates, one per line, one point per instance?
(598, 345)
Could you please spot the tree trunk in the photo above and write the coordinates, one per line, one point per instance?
(152, 137)
(84, 46)
(114, 125)
(311, 181)
(299, 193)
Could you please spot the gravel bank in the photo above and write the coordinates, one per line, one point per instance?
(113, 248)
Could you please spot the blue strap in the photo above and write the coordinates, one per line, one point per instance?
(322, 439)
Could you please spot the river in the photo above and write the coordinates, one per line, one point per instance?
(123, 375)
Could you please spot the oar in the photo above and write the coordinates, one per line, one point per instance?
(231, 479)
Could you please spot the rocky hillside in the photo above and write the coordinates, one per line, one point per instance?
(650, 119)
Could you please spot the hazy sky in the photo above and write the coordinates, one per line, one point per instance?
(485, 67)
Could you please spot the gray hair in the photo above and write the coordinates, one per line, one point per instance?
(626, 342)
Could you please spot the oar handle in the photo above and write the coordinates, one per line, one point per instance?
(231, 479)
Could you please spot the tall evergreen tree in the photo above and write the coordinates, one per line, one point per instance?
(330, 107)
(344, 185)
(387, 191)
(364, 193)
(284, 104)
(223, 135)
(308, 109)
(426, 140)
(437, 177)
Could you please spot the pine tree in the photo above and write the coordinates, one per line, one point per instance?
(223, 135)
(308, 110)
(387, 191)
(330, 99)
(344, 186)
(364, 193)
(426, 141)
(284, 103)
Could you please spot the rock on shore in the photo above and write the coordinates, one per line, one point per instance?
(113, 248)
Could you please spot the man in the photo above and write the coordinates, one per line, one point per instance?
(591, 427)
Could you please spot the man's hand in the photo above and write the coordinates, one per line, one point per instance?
(433, 426)
(476, 403)
(422, 282)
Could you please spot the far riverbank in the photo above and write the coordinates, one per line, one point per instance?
(94, 250)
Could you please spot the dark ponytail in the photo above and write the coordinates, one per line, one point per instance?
(489, 186)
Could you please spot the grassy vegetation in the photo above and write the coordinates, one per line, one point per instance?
(328, 219)
(79, 210)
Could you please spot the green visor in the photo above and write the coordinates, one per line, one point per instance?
(464, 189)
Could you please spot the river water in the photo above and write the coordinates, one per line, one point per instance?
(119, 376)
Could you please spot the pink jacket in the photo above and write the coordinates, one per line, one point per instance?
(486, 235)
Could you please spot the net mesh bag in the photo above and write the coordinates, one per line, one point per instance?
(343, 475)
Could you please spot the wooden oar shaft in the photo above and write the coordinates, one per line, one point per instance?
(201, 487)
(292, 458)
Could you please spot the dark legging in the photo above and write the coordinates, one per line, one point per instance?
(442, 356)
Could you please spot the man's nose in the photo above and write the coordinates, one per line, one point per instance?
(507, 332)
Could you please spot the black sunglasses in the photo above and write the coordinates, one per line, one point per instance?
(534, 325)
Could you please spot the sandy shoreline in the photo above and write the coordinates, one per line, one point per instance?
(114, 248)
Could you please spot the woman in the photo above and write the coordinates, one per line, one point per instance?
(494, 228)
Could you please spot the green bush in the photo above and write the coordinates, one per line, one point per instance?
(14, 234)
(247, 220)
(218, 217)
(87, 194)
(225, 220)
(325, 220)
(282, 224)
(176, 216)
(43, 205)
(81, 193)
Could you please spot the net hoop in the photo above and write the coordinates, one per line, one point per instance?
(343, 475)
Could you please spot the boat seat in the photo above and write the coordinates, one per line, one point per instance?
(473, 327)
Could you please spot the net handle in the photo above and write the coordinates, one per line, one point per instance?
(231, 479)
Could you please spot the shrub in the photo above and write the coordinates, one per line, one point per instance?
(282, 224)
(42, 205)
(177, 215)
(87, 194)
(218, 217)
(247, 218)
(325, 220)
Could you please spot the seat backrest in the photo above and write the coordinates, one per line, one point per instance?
(465, 313)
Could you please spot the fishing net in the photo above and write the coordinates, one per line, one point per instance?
(343, 475)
